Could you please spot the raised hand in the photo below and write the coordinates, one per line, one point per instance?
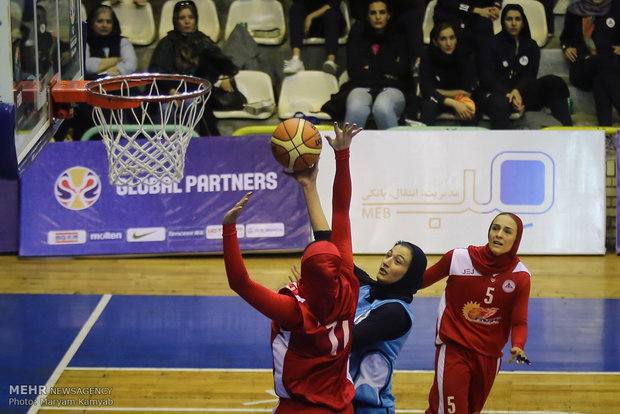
(343, 137)
(233, 214)
(304, 177)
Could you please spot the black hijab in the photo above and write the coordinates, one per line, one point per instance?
(96, 42)
(525, 33)
(407, 286)
(438, 57)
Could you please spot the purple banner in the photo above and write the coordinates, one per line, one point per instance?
(68, 206)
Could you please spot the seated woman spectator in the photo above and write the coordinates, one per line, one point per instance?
(107, 52)
(379, 66)
(591, 43)
(447, 73)
(321, 18)
(186, 50)
(472, 19)
(509, 69)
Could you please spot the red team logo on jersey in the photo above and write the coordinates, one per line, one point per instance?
(473, 312)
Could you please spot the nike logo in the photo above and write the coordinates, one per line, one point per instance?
(137, 236)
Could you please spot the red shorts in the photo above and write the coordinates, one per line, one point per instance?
(463, 380)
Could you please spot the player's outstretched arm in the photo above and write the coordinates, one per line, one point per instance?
(307, 179)
(280, 308)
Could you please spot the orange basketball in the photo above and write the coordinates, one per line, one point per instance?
(467, 101)
(296, 144)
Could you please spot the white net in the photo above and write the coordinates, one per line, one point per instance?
(147, 143)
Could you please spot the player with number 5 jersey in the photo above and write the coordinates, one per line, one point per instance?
(312, 319)
(485, 301)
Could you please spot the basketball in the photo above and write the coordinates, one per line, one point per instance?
(467, 101)
(296, 144)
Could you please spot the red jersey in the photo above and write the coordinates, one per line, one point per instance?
(310, 358)
(479, 311)
(311, 363)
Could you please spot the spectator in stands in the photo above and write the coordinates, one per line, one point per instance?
(509, 69)
(549, 16)
(188, 51)
(591, 43)
(379, 65)
(320, 18)
(447, 73)
(107, 52)
(472, 19)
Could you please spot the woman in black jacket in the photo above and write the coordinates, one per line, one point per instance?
(379, 65)
(509, 69)
(447, 73)
(591, 43)
(187, 51)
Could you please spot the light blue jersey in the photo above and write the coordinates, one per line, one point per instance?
(372, 367)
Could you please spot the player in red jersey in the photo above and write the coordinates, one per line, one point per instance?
(313, 319)
(485, 299)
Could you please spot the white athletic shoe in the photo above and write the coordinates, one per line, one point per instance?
(293, 65)
(330, 67)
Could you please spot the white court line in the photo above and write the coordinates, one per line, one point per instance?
(62, 365)
(404, 371)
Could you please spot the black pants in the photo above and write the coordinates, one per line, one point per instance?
(547, 92)
(330, 26)
(603, 79)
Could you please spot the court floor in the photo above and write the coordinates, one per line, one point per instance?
(134, 353)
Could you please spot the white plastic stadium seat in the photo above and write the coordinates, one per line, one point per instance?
(428, 23)
(535, 13)
(306, 92)
(208, 21)
(265, 20)
(342, 40)
(137, 22)
(256, 86)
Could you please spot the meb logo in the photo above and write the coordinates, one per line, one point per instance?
(77, 188)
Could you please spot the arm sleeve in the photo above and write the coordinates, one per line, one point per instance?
(129, 61)
(438, 271)
(427, 82)
(519, 317)
(281, 308)
(341, 201)
(91, 63)
(162, 60)
(387, 322)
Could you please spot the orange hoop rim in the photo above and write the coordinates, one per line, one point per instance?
(112, 83)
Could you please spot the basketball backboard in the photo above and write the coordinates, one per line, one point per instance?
(42, 39)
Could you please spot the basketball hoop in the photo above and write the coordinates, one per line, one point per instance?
(153, 152)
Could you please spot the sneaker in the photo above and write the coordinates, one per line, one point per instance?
(293, 65)
(330, 67)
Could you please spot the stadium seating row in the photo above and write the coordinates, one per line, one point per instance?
(265, 21)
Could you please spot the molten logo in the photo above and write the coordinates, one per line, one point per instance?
(77, 188)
